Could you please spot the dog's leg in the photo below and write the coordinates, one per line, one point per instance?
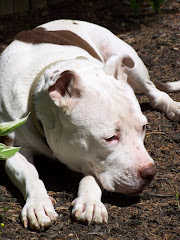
(158, 99)
(169, 86)
(88, 206)
(38, 211)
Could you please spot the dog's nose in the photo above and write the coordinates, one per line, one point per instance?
(148, 172)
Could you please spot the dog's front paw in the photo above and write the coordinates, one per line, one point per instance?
(38, 214)
(91, 211)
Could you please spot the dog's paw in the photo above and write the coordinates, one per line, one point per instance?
(38, 214)
(91, 211)
(173, 112)
(166, 104)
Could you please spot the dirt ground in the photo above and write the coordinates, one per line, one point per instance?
(155, 214)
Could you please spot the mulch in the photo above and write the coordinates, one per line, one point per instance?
(155, 214)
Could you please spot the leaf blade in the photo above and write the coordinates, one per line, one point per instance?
(9, 127)
(7, 151)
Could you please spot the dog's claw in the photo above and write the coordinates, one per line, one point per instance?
(52, 200)
(25, 223)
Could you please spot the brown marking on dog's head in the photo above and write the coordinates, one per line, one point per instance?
(61, 37)
(8, 141)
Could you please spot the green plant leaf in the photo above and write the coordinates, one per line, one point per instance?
(7, 151)
(155, 4)
(9, 127)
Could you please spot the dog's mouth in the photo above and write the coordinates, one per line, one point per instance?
(140, 190)
(136, 191)
(132, 188)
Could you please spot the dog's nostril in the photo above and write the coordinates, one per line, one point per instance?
(148, 172)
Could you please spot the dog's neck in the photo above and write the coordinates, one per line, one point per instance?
(31, 106)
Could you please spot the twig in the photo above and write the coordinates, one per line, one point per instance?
(150, 133)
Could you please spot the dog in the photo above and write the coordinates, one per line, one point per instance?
(78, 80)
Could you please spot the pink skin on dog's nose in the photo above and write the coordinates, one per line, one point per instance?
(148, 172)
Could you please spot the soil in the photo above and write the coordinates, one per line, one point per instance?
(154, 214)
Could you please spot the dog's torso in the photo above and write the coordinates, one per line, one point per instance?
(33, 50)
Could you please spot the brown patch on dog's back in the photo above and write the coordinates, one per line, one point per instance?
(61, 37)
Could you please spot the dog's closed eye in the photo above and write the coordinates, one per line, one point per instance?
(113, 138)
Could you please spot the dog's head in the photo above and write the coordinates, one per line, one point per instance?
(93, 122)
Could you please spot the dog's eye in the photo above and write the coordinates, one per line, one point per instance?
(113, 138)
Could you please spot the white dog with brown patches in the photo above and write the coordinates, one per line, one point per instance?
(78, 80)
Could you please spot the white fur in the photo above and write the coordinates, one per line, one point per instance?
(102, 104)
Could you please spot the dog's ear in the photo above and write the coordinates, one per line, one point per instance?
(64, 88)
(116, 65)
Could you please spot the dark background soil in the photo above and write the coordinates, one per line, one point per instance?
(155, 213)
